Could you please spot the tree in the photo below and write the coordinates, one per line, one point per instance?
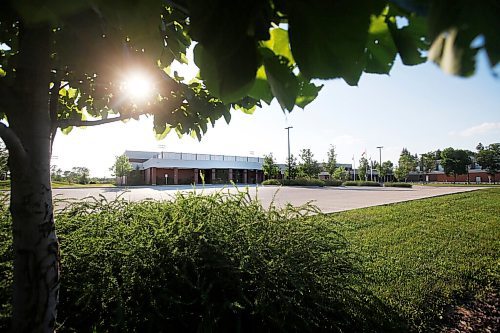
(455, 162)
(363, 168)
(81, 175)
(122, 167)
(385, 169)
(56, 173)
(406, 163)
(428, 161)
(69, 176)
(331, 164)
(270, 167)
(291, 167)
(489, 158)
(64, 61)
(308, 166)
(341, 174)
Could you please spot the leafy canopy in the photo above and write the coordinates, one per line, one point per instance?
(489, 157)
(269, 166)
(363, 168)
(308, 166)
(248, 52)
(406, 163)
(331, 164)
(455, 161)
(122, 166)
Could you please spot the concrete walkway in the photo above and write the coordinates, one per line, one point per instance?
(328, 199)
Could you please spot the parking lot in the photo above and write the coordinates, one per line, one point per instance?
(328, 199)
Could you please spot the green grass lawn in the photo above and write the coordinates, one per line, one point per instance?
(421, 256)
(460, 184)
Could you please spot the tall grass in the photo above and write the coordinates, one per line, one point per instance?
(218, 262)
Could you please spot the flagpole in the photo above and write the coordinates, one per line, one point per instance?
(354, 167)
(371, 169)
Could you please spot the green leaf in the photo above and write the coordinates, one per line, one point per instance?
(231, 77)
(261, 89)
(409, 40)
(307, 93)
(280, 44)
(284, 84)
(227, 115)
(161, 131)
(249, 110)
(328, 38)
(67, 130)
(454, 25)
(453, 54)
(380, 49)
(2, 72)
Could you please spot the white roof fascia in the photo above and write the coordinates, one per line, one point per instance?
(199, 164)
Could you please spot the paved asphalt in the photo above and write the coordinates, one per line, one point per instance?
(328, 199)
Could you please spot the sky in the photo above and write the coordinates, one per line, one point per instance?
(419, 108)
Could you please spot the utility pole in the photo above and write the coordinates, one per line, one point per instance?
(380, 161)
(289, 162)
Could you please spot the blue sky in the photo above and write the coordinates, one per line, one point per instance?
(418, 107)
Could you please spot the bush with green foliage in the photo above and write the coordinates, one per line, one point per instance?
(361, 183)
(271, 182)
(303, 182)
(200, 263)
(407, 185)
(333, 182)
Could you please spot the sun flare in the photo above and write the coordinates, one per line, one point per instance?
(138, 86)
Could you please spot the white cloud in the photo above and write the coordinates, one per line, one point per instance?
(478, 129)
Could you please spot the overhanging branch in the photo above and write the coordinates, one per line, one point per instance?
(63, 123)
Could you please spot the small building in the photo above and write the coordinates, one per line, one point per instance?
(173, 168)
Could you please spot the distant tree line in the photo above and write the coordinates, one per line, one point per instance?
(454, 162)
(77, 175)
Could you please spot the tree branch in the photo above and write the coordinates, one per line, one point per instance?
(63, 123)
(177, 6)
(13, 144)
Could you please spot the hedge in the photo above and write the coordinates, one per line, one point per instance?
(361, 183)
(271, 182)
(295, 182)
(333, 182)
(407, 185)
(200, 263)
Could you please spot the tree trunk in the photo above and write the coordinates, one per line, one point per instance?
(36, 250)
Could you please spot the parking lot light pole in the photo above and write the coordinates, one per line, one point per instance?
(289, 165)
(380, 161)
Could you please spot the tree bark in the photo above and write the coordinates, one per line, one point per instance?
(36, 250)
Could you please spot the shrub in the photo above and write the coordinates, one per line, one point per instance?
(6, 268)
(361, 183)
(333, 182)
(271, 182)
(303, 182)
(200, 263)
(407, 185)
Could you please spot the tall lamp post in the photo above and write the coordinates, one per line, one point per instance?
(380, 161)
(288, 132)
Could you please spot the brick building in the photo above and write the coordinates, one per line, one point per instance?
(161, 168)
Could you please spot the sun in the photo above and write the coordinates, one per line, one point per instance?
(138, 86)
